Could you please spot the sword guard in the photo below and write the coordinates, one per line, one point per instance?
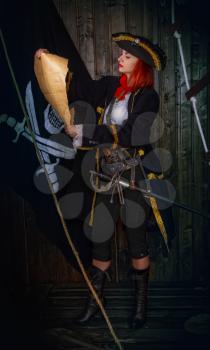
(19, 128)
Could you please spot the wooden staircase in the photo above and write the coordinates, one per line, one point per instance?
(169, 312)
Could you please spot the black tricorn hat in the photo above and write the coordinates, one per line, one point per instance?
(142, 48)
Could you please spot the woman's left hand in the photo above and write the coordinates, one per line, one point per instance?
(70, 130)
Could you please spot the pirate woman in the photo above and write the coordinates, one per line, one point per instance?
(126, 107)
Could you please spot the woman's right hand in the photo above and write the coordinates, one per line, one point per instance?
(39, 52)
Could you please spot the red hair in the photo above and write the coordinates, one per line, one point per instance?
(142, 76)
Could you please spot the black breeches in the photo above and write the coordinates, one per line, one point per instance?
(133, 214)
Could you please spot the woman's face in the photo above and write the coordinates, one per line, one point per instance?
(126, 62)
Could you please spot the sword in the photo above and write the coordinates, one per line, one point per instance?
(149, 193)
(46, 145)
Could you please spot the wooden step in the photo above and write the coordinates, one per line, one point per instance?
(168, 311)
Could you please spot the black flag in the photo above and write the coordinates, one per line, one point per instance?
(26, 27)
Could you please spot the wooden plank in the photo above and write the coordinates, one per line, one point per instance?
(184, 164)
(134, 16)
(199, 68)
(180, 299)
(148, 19)
(86, 35)
(68, 12)
(181, 17)
(116, 11)
(164, 132)
(206, 199)
(67, 337)
(122, 290)
(116, 24)
(147, 335)
(102, 39)
(46, 262)
(155, 36)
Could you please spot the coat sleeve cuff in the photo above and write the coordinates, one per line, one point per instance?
(77, 140)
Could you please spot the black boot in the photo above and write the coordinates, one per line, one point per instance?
(140, 280)
(98, 278)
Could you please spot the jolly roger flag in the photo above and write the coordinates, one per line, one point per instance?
(27, 26)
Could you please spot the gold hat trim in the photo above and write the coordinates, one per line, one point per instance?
(154, 56)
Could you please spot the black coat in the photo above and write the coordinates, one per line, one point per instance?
(143, 107)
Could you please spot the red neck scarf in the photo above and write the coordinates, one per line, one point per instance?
(123, 89)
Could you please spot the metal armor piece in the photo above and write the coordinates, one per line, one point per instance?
(116, 161)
